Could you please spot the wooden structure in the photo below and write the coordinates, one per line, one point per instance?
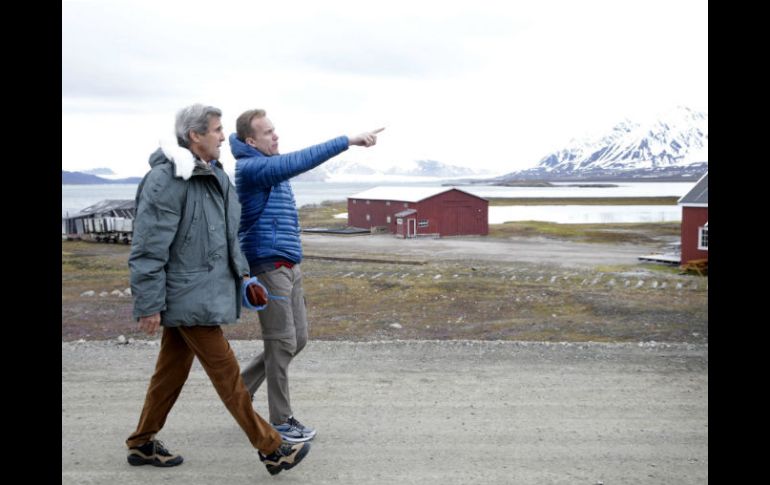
(106, 221)
(700, 266)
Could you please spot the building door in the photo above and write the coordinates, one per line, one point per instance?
(450, 222)
(411, 227)
(456, 221)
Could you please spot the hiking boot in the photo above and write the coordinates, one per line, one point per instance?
(153, 453)
(306, 430)
(292, 433)
(287, 456)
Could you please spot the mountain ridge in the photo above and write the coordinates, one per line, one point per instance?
(673, 146)
(83, 178)
(336, 169)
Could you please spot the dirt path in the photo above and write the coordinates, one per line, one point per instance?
(413, 412)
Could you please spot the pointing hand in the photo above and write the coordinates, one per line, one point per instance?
(366, 139)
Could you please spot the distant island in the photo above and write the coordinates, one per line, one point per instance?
(526, 183)
(98, 171)
(80, 178)
(544, 183)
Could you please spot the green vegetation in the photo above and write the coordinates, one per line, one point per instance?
(642, 232)
(497, 201)
(354, 300)
(360, 299)
(98, 267)
(658, 268)
(322, 215)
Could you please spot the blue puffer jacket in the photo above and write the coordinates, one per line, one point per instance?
(269, 228)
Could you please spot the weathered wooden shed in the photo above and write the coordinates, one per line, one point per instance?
(412, 211)
(695, 225)
(109, 221)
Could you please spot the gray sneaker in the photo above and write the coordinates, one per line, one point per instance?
(306, 430)
(294, 432)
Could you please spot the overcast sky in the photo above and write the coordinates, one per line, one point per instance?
(482, 84)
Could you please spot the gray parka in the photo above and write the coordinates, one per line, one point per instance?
(185, 259)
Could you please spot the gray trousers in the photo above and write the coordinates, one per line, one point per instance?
(284, 331)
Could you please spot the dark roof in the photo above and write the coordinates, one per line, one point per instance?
(107, 206)
(698, 195)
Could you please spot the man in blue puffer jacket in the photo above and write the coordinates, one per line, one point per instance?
(269, 234)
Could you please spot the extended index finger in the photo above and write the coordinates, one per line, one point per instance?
(378, 130)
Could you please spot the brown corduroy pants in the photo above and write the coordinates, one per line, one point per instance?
(178, 346)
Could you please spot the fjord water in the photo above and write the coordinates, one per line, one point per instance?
(78, 197)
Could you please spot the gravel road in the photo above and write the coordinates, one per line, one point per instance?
(536, 250)
(413, 412)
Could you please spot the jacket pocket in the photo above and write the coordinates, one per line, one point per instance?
(185, 286)
(188, 232)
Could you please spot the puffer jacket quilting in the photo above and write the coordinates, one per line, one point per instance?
(269, 228)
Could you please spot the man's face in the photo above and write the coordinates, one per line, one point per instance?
(206, 146)
(263, 136)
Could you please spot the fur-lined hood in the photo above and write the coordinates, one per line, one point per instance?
(183, 159)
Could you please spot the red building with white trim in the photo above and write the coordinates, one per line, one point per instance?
(412, 211)
(695, 221)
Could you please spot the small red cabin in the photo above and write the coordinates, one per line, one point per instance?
(695, 221)
(412, 211)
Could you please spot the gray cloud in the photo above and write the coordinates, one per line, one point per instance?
(140, 49)
(124, 53)
(409, 48)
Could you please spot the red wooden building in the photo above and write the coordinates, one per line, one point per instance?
(412, 211)
(695, 221)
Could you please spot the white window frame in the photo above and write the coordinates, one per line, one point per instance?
(701, 231)
(387, 219)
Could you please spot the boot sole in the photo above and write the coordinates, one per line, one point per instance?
(287, 466)
(134, 460)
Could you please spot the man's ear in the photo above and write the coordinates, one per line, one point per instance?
(251, 142)
(195, 137)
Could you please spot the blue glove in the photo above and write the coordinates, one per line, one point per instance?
(254, 294)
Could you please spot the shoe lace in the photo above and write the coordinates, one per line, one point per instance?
(160, 449)
(284, 449)
(295, 422)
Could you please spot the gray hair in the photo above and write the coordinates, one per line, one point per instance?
(193, 118)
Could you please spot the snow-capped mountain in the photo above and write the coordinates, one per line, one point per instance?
(101, 171)
(348, 170)
(676, 145)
